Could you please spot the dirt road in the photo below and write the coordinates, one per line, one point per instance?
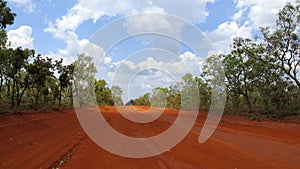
(57, 140)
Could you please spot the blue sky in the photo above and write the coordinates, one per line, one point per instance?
(62, 29)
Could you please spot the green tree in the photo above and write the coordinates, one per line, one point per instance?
(242, 71)
(17, 60)
(7, 17)
(204, 93)
(142, 100)
(3, 57)
(65, 78)
(84, 79)
(158, 97)
(104, 95)
(190, 93)
(174, 96)
(117, 95)
(282, 46)
(40, 71)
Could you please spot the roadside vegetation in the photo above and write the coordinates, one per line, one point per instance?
(261, 76)
(30, 81)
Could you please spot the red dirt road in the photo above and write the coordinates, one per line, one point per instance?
(57, 140)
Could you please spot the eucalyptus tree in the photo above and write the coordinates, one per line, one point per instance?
(84, 80)
(158, 97)
(117, 95)
(204, 93)
(242, 71)
(282, 46)
(40, 70)
(104, 95)
(65, 78)
(3, 57)
(17, 60)
(7, 17)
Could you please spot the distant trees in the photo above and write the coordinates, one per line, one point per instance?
(261, 75)
(103, 94)
(117, 95)
(50, 83)
(172, 97)
(44, 81)
(141, 101)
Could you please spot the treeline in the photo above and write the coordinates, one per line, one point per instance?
(261, 74)
(90, 91)
(32, 81)
(182, 95)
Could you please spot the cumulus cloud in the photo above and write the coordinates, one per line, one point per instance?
(137, 78)
(194, 11)
(261, 13)
(21, 37)
(222, 37)
(64, 28)
(250, 16)
(27, 5)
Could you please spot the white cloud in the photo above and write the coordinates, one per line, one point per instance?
(21, 37)
(138, 78)
(222, 37)
(250, 16)
(27, 5)
(194, 11)
(194, 62)
(262, 13)
(64, 28)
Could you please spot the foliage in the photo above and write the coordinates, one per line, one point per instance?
(262, 76)
(7, 17)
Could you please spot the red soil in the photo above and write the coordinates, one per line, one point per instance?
(57, 139)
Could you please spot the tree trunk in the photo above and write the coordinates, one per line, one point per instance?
(1, 84)
(19, 99)
(36, 99)
(59, 97)
(248, 102)
(45, 99)
(13, 95)
(8, 87)
(71, 92)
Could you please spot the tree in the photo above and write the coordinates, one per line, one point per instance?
(204, 93)
(40, 70)
(174, 96)
(84, 79)
(190, 93)
(3, 56)
(117, 95)
(142, 100)
(17, 60)
(104, 95)
(242, 71)
(158, 97)
(65, 78)
(7, 17)
(283, 45)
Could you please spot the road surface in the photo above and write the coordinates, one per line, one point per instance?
(56, 140)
